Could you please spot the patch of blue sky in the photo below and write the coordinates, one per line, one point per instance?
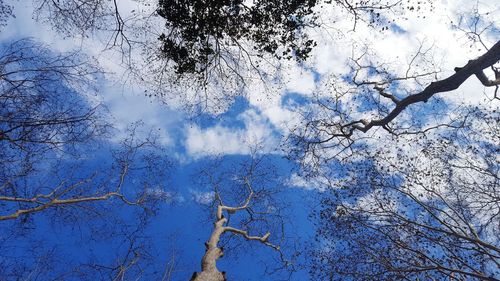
(293, 100)
(493, 31)
(229, 118)
(76, 244)
(315, 74)
(397, 89)
(397, 29)
(348, 76)
(474, 21)
(371, 70)
(366, 102)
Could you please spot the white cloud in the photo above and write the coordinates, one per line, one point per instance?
(336, 44)
(218, 139)
(297, 181)
(203, 197)
(127, 107)
(309, 183)
(299, 80)
(166, 196)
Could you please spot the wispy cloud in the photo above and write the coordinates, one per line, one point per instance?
(203, 197)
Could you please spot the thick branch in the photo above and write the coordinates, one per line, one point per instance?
(244, 233)
(473, 67)
(56, 202)
(213, 252)
(53, 199)
(486, 82)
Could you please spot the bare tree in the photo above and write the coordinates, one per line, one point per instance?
(34, 116)
(86, 18)
(58, 169)
(256, 212)
(386, 99)
(45, 112)
(474, 67)
(430, 211)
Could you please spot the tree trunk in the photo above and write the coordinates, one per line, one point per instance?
(209, 271)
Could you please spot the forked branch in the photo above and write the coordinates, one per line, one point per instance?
(473, 67)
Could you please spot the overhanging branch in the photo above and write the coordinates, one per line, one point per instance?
(473, 67)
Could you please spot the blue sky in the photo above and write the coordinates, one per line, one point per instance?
(262, 117)
(184, 219)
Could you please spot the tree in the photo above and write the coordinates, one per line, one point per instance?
(84, 18)
(57, 170)
(429, 211)
(253, 200)
(217, 47)
(38, 124)
(415, 200)
(200, 33)
(340, 127)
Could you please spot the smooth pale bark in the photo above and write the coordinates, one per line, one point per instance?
(53, 199)
(213, 252)
(209, 271)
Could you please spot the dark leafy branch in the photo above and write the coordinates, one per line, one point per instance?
(197, 30)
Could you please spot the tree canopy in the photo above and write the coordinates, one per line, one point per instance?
(330, 140)
(200, 32)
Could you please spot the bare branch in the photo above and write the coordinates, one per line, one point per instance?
(473, 67)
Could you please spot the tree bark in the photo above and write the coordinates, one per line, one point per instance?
(473, 67)
(209, 271)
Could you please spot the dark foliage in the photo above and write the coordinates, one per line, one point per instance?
(5, 13)
(197, 31)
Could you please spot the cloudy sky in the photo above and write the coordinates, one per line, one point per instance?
(266, 112)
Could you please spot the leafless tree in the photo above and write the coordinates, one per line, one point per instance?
(243, 207)
(86, 18)
(45, 112)
(57, 169)
(329, 127)
(430, 211)
(44, 98)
